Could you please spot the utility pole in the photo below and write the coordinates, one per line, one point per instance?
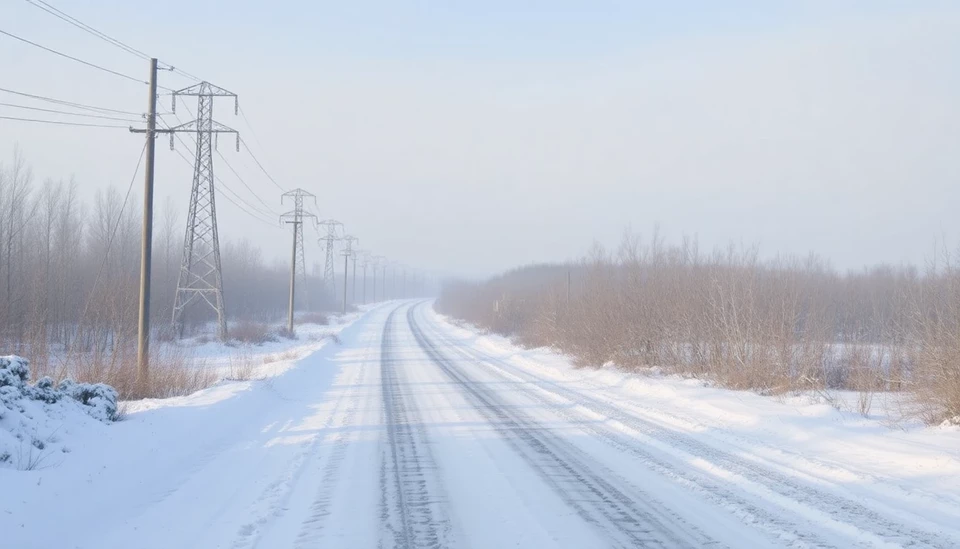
(327, 241)
(354, 259)
(394, 289)
(366, 260)
(384, 277)
(201, 276)
(146, 232)
(347, 252)
(374, 262)
(295, 218)
(377, 260)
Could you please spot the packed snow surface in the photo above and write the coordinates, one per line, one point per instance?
(412, 432)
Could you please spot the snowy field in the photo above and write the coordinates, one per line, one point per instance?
(413, 432)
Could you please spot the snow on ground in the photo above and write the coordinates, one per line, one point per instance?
(817, 438)
(37, 420)
(143, 465)
(412, 432)
(235, 365)
(39, 428)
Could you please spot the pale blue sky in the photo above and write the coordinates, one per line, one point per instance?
(470, 137)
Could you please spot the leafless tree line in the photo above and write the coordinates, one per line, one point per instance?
(773, 326)
(69, 273)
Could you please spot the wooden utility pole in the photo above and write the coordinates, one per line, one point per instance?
(354, 293)
(346, 258)
(293, 275)
(146, 234)
(348, 251)
(295, 217)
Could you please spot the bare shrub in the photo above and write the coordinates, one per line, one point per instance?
(289, 354)
(241, 366)
(171, 373)
(779, 326)
(254, 333)
(174, 374)
(314, 318)
(935, 377)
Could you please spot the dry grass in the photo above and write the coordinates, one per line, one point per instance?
(242, 366)
(282, 356)
(775, 327)
(314, 318)
(171, 373)
(254, 333)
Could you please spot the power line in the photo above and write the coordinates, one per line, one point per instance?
(113, 232)
(184, 73)
(70, 57)
(269, 211)
(83, 26)
(264, 170)
(225, 188)
(247, 121)
(69, 103)
(67, 113)
(223, 185)
(62, 123)
(45, 6)
(244, 183)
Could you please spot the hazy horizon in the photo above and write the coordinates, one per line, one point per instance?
(470, 140)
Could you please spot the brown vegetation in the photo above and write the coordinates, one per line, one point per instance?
(69, 282)
(777, 326)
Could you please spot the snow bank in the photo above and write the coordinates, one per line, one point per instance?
(804, 434)
(35, 418)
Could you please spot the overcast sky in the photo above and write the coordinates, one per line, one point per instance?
(470, 139)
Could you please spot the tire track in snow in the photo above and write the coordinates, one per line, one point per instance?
(312, 528)
(410, 507)
(784, 532)
(277, 494)
(851, 518)
(626, 521)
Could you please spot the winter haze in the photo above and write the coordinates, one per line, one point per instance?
(473, 139)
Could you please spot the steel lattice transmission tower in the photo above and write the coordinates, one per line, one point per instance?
(201, 278)
(298, 263)
(347, 253)
(328, 241)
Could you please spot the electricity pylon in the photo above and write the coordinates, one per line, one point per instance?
(347, 252)
(393, 292)
(327, 241)
(357, 254)
(200, 272)
(383, 281)
(365, 255)
(376, 261)
(297, 262)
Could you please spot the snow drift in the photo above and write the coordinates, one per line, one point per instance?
(34, 418)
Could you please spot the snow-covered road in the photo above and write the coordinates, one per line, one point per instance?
(411, 435)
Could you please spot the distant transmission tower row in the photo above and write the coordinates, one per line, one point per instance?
(200, 279)
(328, 241)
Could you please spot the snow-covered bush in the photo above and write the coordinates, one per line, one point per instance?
(36, 418)
(14, 371)
(97, 399)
